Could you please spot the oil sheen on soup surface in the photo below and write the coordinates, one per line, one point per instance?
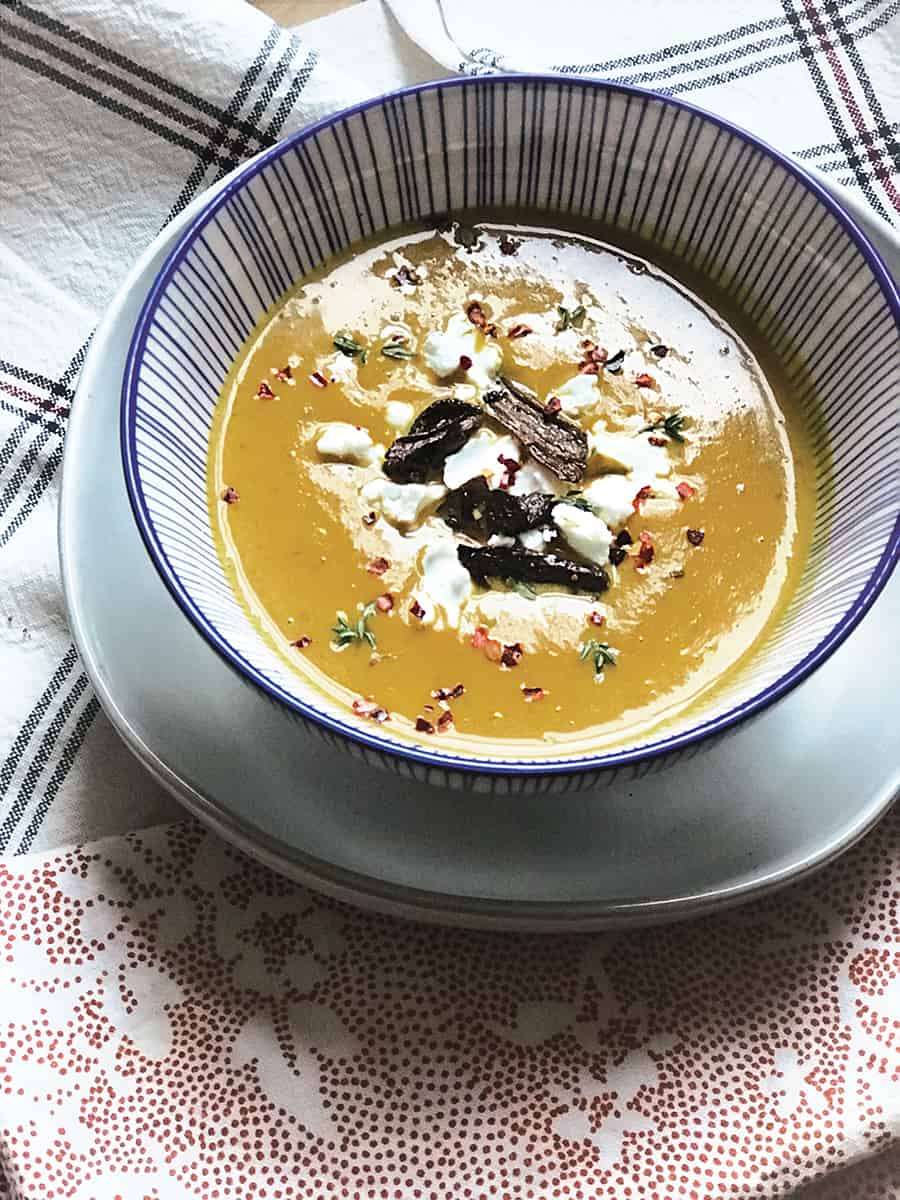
(497, 484)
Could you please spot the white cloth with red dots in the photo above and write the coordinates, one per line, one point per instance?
(180, 1023)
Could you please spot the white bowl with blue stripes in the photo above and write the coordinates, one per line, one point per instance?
(762, 230)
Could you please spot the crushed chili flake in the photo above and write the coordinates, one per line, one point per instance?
(644, 380)
(656, 441)
(508, 245)
(519, 331)
(480, 637)
(695, 536)
(453, 693)
(370, 518)
(378, 566)
(230, 496)
(478, 317)
(512, 655)
(445, 720)
(553, 405)
(646, 552)
(385, 602)
(318, 379)
(684, 490)
(404, 275)
(511, 467)
(368, 708)
(533, 693)
(302, 642)
(641, 495)
(465, 363)
(593, 358)
(284, 375)
(423, 726)
(660, 351)
(264, 392)
(596, 618)
(493, 650)
(417, 610)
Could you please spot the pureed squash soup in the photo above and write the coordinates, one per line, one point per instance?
(507, 487)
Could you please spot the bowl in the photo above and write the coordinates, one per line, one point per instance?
(763, 233)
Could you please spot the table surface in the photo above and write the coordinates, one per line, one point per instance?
(297, 12)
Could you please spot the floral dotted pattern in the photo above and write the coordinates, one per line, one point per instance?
(179, 1022)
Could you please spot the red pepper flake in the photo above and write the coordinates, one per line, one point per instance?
(593, 358)
(264, 392)
(302, 642)
(493, 650)
(385, 603)
(596, 618)
(423, 726)
(230, 496)
(453, 693)
(465, 363)
(640, 496)
(417, 610)
(378, 566)
(318, 379)
(508, 245)
(445, 720)
(519, 331)
(644, 380)
(478, 317)
(369, 519)
(511, 467)
(533, 693)
(553, 406)
(284, 375)
(695, 536)
(657, 441)
(646, 552)
(480, 637)
(512, 655)
(685, 491)
(368, 708)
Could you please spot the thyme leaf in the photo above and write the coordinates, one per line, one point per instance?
(345, 634)
(522, 588)
(600, 654)
(570, 319)
(397, 350)
(672, 426)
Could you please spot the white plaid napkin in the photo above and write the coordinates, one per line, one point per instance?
(179, 1023)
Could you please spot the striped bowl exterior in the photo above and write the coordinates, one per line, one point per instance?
(729, 207)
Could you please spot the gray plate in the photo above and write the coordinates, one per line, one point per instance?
(763, 807)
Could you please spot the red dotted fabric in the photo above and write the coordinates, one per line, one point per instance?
(178, 1022)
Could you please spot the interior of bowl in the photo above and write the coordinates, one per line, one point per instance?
(753, 224)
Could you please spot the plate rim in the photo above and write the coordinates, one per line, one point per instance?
(374, 740)
(398, 900)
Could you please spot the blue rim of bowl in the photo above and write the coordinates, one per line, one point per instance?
(420, 754)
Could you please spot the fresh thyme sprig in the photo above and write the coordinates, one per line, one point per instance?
(600, 653)
(345, 634)
(397, 350)
(672, 426)
(351, 347)
(570, 319)
(522, 588)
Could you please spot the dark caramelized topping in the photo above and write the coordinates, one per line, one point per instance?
(528, 566)
(437, 432)
(549, 437)
(477, 510)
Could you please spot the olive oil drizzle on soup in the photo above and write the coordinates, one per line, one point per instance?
(683, 524)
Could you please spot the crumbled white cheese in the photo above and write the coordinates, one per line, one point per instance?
(442, 351)
(532, 477)
(536, 539)
(465, 392)
(619, 451)
(585, 533)
(402, 503)
(501, 539)
(611, 497)
(446, 585)
(344, 442)
(399, 414)
(341, 367)
(578, 393)
(481, 456)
